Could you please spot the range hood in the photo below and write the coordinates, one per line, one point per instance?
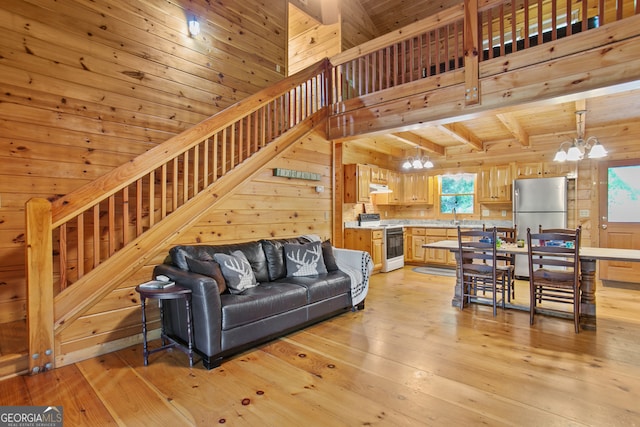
(379, 189)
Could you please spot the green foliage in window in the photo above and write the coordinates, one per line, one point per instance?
(624, 194)
(457, 192)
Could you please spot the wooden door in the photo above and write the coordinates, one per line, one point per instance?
(619, 217)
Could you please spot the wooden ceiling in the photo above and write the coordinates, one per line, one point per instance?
(547, 123)
(543, 126)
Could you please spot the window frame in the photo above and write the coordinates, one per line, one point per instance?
(473, 194)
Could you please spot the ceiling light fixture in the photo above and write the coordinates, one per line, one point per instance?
(579, 146)
(417, 162)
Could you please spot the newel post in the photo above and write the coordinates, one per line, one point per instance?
(39, 272)
(471, 52)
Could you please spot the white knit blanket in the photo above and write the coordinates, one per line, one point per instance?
(357, 264)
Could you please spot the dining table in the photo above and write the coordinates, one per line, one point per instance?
(588, 263)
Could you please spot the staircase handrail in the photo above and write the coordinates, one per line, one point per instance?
(70, 205)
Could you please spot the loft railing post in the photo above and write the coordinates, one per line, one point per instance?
(327, 91)
(471, 50)
(39, 269)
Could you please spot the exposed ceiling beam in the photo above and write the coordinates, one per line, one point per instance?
(414, 140)
(462, 134)
(515, 128)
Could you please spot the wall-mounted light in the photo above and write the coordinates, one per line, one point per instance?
(194, 27)
(579, 146)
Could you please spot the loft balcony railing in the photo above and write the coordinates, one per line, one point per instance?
(71, 236)
(437, 45)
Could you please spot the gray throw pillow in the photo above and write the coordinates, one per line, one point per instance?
(304, 259)
(236, 271)
(329, 257)
(208, 268)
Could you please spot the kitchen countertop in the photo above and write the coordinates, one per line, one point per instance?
(432, 224)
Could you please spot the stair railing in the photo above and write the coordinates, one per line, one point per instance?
(92, 223)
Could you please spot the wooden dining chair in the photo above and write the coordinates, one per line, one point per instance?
(554, 272)
(477, 264)
(508, 262)
(557, 230)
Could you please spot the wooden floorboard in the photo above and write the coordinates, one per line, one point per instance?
(408, 359)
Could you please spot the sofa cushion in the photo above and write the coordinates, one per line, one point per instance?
(208, 268)
(304, 259)
(237, 271)
(274, 254)
(252, 250)
(263, 301)
(328, 256)
(321, 287)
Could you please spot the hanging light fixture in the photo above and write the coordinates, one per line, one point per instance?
(417, 162)
(579, 146)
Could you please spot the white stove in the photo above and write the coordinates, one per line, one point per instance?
(392, 241)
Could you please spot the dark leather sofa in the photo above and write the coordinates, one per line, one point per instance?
(227, 323)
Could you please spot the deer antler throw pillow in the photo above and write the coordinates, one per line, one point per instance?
(304, 259)
(237, 271)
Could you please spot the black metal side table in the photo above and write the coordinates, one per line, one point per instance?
(170, 293)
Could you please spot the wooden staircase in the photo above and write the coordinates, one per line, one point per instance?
(126, 215)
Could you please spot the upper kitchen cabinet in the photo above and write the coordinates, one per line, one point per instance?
(550, 169)
(394, 182)
(543, 169)
(357, 180)
(417, 188)
(494, 184)
(529, 170)
(379, 175)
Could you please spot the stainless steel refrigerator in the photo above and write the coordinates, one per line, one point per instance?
(537, 201)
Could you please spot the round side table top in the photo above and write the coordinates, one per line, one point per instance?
(170, 292)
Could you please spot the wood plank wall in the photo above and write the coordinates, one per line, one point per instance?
(310, 41)
(266, 206)
(356, 25)
(89, 85)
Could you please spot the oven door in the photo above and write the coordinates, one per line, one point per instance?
(393, 251)
(394, 239)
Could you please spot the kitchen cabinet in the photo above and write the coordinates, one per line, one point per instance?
(529, 170)
(357, 179)
(417, 188)
(417, 254)
(559, 169)
(436, 256)
(415, 238)
(366, 239)
(379, 175)
(495, 184)
(543, 169)
(394, 182)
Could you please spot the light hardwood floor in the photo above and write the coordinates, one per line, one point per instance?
(408, 359)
